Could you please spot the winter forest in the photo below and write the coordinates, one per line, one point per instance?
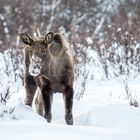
(104, 37)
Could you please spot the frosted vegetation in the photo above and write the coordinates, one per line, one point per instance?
(104, 38)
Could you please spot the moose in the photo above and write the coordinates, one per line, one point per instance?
(49, 67)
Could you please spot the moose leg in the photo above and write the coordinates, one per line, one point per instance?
(30, 87)
(47, 96)
(38, 103)
(68, 100)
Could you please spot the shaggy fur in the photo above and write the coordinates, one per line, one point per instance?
(56, 74)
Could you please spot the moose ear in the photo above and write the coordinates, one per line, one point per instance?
(49, 38)
(26, 39)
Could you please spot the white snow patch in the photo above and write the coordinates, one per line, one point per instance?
(119, 29)
(89, 40)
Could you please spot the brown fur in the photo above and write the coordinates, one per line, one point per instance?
(56, 73)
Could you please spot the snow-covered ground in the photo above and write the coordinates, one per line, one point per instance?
(103, 113)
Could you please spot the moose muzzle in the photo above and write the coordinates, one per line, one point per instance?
(35, 66)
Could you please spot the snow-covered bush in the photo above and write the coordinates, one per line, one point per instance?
(11, 73)
(104, 37)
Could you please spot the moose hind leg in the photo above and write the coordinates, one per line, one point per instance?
(68, 100)
(39, 103)
(47, 96)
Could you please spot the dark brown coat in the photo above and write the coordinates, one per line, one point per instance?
(49, 67)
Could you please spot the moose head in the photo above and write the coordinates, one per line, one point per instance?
(40, 51)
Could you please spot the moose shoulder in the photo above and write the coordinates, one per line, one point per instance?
(48, 68)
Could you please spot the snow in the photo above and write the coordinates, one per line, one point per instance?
(2, 17)
(6, 30)
(103, 109)
(107, 126)
(99, 25)
(53, 132)
(119, 29)
(103, 113)
(98, 115)
(89, 40)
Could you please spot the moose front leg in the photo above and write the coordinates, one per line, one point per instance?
(30, 88)
(47, 96)
(68, 100)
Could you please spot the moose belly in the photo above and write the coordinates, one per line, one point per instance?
(58, 88)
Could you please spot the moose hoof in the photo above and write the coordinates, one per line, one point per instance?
(69, 119)
(48, 117)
